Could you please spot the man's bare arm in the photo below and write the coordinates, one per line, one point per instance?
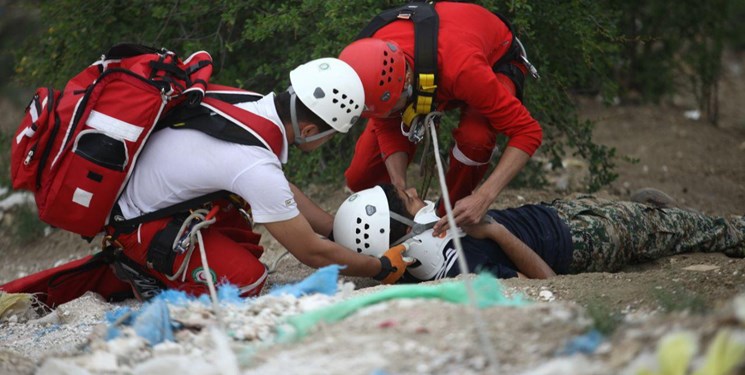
(321, 221)
(297, 236)
(396, 165)
(525, 259)
(470, 210)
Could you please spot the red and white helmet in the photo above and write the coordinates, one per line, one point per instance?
(382, 67)
(331, 89)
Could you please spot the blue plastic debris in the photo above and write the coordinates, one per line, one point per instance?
(154, 323)
(585, 344)
(120, 316)
(322, 281)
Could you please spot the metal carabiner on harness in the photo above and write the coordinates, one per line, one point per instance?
(524, 58)
(419, 125)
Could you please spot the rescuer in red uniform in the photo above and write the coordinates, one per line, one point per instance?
(480, 71)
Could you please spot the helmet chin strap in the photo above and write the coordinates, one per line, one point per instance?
(416, 228)
(299, 139)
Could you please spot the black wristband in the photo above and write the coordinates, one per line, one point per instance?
(385, 268)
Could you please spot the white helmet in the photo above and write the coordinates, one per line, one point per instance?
(331, 89)
(434, 256)
(363, 222)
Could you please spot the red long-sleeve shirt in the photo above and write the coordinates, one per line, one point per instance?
(470, 41)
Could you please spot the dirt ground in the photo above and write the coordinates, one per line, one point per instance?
(701, 165)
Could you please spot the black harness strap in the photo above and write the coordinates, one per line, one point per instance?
(426, 25)
(122, 225)
(505, 63)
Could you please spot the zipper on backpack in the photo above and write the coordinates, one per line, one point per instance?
(30, 154)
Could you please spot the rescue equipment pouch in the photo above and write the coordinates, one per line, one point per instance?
(75, 148)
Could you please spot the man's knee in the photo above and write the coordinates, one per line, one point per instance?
(357, 179)
(472, 156)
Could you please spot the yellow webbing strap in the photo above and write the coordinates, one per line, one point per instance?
(409, 114)
(427, 85)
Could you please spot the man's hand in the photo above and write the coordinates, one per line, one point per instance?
(467, 211)
(393, 264)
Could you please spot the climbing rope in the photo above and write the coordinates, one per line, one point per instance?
(192, 236)
(482, 329)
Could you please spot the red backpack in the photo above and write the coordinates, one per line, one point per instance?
(75, 148)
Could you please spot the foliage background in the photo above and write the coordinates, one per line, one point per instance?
(628, 51)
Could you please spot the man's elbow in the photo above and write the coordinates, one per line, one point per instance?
(547, 273)
(528, 140)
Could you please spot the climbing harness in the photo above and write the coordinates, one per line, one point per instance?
(192, 236)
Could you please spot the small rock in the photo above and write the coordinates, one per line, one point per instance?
(546, 295)
(701, 267)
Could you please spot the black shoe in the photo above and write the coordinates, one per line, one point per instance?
(653, 197)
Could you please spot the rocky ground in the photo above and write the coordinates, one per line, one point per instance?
(702, 166)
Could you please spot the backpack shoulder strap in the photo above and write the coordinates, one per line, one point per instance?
(218, 117)
(266, 131)
(426, 25)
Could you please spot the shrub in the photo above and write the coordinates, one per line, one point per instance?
(582, 46)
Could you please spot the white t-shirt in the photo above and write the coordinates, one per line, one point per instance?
(178, 165)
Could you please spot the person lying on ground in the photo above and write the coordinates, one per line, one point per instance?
(565, 236)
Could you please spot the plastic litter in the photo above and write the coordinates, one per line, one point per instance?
(585, 344)
(154, 323)
(488, 292)
(676, 352)
(324, 281)
(14, 303)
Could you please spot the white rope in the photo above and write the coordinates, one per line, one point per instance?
(486, 345)
(188, 241)
(273, 267)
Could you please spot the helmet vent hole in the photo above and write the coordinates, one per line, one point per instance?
(382, 230)
(367, 245)
(366, 236)
(382, 72)
(343, 96)
(385, 53)
(343, 105)
(357, 241)
(336, 91)
(390, 70)
(367, 226)
(333, 119)
(381, 82)
(359, 220)
(335, 101)
(385, 62)
(356, 106)
(358, 231)
(359, 250)
(389, 78)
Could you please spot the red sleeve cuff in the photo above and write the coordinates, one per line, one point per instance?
(528, 141)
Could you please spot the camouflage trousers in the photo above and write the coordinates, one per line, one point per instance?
(607, 235)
